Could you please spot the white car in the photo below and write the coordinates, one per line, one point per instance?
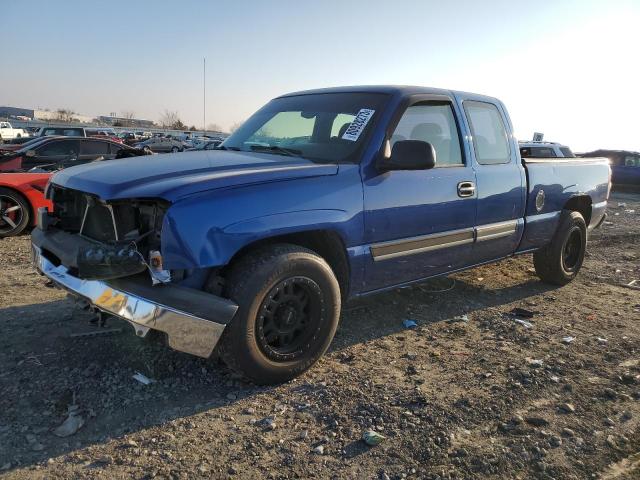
(7, 132)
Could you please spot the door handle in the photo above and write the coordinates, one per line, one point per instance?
(466, 189)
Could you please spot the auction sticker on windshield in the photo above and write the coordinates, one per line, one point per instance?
(357, 126)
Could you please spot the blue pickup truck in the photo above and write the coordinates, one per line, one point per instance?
(321, 196)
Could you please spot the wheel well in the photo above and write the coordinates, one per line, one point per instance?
(581, 204)
(325, 243)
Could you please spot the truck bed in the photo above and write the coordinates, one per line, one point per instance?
(557, 180)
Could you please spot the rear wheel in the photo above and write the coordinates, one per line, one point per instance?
(289, 308)
(14, 213)
(175, 150)
(560, 261)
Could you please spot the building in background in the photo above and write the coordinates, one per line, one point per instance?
(15, 112)
(125, 122)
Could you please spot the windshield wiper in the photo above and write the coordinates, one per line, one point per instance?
(291, 152)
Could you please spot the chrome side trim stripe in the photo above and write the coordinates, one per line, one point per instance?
(426, 243)
(496, 230)
(437, 241)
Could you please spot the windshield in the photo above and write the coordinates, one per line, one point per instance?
(324, 127)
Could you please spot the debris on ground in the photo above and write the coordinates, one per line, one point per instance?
(568, 339)
(408, 323)
(143, 379)
(372, 438)
(523, 313)
(524, 323)
(72, 423)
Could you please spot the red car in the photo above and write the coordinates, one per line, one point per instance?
(24, 174)
(21, 194)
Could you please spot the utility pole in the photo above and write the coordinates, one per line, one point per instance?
(204, 94)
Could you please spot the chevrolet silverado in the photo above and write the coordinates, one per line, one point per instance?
(321, 196)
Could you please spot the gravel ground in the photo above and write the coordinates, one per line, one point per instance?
(468, 393)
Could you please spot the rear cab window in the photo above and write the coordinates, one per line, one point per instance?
(490, 140)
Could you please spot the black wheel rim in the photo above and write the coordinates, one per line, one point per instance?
(289, 318)
(11, 214)
(572, 249)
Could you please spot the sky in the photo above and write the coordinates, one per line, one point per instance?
(569, 69)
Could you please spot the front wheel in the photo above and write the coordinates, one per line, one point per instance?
(175, 150)
(14, 213)
(560, 261)
(289, 308)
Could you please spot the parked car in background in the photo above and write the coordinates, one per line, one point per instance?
(319, 197)
(161, 144)
(544, 150)
(129, 138)
(102, 133)
(62, 131)
(7, 132)
(13, 146)
(21, 194)
(24, 175)
(54, 152)
(625, 166)
(208, 145)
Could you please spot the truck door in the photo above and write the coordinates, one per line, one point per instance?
(420, 223)
(500, 178)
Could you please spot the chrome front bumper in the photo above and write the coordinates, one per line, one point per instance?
(187, 332)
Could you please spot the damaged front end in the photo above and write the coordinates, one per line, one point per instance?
(108, 254)
(99, 240)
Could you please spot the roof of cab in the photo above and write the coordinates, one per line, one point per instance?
(402, 90)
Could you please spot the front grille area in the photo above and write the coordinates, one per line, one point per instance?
(118, 222)
(98, 224)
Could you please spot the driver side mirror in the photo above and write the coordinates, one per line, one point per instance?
(409, 155)
(30, 153)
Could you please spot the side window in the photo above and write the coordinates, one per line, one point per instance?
(91, 147)
(58, 148)
(489, 133)
(432, 122)
(631, 161)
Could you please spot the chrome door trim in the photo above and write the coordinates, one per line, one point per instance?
(496, 230)
(424, 243)
(437, 241)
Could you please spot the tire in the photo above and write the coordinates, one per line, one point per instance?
(15, 213)
(559, 262)
(175, 150)
(289, 309)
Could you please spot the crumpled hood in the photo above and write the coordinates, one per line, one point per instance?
(173, 176)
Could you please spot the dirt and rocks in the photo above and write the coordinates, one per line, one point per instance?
(468, 393)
